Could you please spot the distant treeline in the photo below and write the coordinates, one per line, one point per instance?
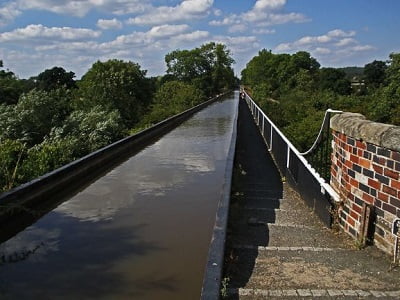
(51, 119)
(295, 91)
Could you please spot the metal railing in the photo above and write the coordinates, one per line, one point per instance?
(319, 155)
(292, 164)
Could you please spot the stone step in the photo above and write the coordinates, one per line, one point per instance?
(312, 270)
(261, 202)
(312, 293)
(284, 235)
(261, 192)
(278, 216)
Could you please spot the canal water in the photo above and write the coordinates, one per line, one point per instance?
(142, 231)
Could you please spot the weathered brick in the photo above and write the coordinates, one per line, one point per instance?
(367, 155)
(379, 160)
(397, 167)
(384, 152)
(390, 163)
(391, 174)
(377, 169)
(368, 198)
(351, 221)
(395, 202)
(351, 173)
(396, 156)
(379, 212)
(378, 203)
(379, 231)
(357, 168)
(358, 201)
(361, 145)
(373, 192)
(357, 208)
(383, 197)
(348, 164)
(353, 182)
(355, 151)
(352, 231)
(374, 183)
(395, 184)
(382, 179)
(389, 208)
(388, 190)
(371, 148)
(364, 163)
(363, 187)
(368, 173)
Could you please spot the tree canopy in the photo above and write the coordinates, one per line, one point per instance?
(116, 84)
(208, 67)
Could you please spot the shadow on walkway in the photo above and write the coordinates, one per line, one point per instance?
(256, 193)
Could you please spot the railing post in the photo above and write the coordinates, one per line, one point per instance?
(270, 139)
(263, 121)
(288, 158)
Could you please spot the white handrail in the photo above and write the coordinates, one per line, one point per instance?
(318, 139)
(324, 185)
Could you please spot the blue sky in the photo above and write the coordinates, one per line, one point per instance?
(39, 34)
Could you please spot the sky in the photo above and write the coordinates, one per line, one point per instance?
(39, 34)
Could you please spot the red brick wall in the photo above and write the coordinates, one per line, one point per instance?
(366, 173)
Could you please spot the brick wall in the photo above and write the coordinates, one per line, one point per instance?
(366, 170)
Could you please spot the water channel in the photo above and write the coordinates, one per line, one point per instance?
(142, 231)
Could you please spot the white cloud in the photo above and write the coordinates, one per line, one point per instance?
(263, 31)
(269, 4)
(263, 14)
(332, 47)
(186, 10)
(237, 28)
(109, 24)
(165, 31)
(346, 42)
(81, 7)
(8, 12)
(39, 32)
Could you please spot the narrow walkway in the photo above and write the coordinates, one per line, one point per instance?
(277, 248)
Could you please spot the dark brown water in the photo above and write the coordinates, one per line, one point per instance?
(142, 231)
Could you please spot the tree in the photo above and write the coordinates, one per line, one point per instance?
(33, 117)
(10, 87)
(207, 67)
(116, 84)
(172, 98)
(334, 80)
(55, 78)
(90, 129)
(375, 73)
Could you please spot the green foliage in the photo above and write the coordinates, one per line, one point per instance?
(11, 153)
(208, 67)
(90, 130)
(294, 92)
(33, 117)
(172, 98)
(116, 85)
(48, 121)
(281, 72)
(334, 80)
(47, 156)
(55, 78)
(10, 87)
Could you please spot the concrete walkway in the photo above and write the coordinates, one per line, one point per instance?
(277, 249)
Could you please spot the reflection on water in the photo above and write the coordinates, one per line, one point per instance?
(141, 231)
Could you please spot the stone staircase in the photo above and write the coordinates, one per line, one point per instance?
(276, 247)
